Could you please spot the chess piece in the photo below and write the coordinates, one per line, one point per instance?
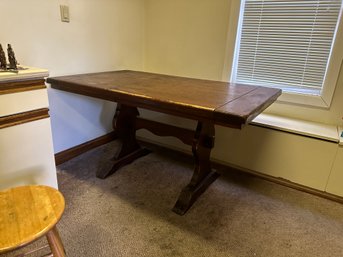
(3, 63)
(11, 58)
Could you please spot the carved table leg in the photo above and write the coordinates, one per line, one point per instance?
(124, 125)
(203, 176)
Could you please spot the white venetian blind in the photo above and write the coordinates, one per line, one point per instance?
(286, 44)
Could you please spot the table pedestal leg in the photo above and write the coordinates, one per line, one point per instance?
(203, 176)
(124, 125)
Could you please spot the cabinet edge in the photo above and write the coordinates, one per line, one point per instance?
(24, 117)
(21, 86)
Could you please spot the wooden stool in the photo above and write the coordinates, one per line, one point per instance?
(28, 213)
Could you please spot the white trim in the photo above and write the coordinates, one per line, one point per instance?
(340, 135)
(324, 99)
(27, 73)
(231, 39)
(238, 40)
(296, 126)
(335, 62)
(302, 99)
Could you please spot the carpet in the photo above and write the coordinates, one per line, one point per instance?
(129, 213)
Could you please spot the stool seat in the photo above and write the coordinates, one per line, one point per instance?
(28, 213)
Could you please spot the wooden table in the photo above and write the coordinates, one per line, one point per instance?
(208, 102)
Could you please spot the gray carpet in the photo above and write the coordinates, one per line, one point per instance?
(129, 214)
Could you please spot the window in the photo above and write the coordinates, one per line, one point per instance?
(290, 45)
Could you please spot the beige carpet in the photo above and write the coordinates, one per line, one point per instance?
(129, 214)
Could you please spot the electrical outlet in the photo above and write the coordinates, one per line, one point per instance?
(64, 9)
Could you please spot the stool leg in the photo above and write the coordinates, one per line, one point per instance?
(55, 243)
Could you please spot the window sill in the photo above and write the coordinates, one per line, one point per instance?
(301, 127)
(303, 99)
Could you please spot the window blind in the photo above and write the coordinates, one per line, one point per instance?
(286, 44)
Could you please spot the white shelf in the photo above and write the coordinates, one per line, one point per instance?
(301, 127)
(28, 73)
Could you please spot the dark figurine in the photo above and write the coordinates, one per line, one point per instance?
(3, 62)
(11, 58)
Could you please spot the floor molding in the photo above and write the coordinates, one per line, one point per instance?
(232, 168)
(75, 151)
(280, 181)
(68, 154)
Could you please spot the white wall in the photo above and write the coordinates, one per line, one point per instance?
(187, 38)
(27, 155)
(196, 38)
(102, 35)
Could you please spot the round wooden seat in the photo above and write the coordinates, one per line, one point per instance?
(28, 213)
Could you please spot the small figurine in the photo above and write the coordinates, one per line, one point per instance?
(3, 63)
(11, 58)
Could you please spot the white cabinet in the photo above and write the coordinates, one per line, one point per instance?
(26, 149)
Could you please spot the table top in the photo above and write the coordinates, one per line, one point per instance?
(220, 102)
(27, 213)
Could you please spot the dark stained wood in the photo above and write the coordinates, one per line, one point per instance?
(8, 87)
(70, 153)
(24, 117)
(124, 126)
(186, 97)
(208, 102)
(203, 176)
(125, 129)
(103, 172)
(160, 129)
(248, 106)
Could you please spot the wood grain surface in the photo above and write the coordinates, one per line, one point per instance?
(208, 102)
(24, 117)
(27, 213)
(9, 87)
(222, 102)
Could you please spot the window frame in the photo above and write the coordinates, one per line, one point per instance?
(324, 99)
